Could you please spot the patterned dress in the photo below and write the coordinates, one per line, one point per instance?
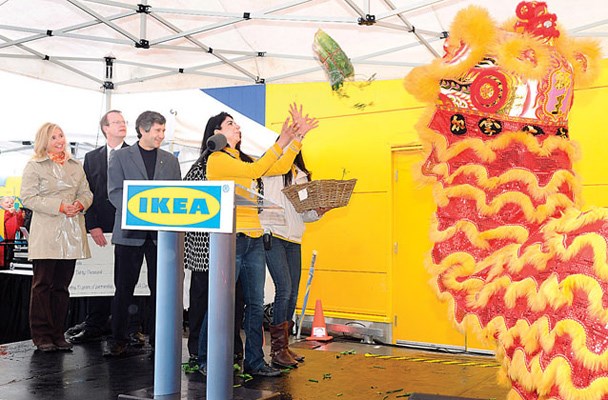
(196, 244)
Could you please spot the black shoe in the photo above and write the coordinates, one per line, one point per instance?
(265, 370)
(137, 339)
(85, 336)
(75, 330)
(192, 361)
(116, 349)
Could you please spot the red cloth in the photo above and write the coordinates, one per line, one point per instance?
(12, 223)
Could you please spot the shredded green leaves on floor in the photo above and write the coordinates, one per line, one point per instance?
(189, 369)
(346, 353)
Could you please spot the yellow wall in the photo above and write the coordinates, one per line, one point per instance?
(353, 140)
(357, 138)
(587, 128)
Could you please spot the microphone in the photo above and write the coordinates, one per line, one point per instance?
(216, 142)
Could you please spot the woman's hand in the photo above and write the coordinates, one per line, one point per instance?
(71, 210)
(288, 133)
(303, 123)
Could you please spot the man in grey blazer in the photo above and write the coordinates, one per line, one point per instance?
(142, 161)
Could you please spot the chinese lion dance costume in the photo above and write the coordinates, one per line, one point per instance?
(514, 255)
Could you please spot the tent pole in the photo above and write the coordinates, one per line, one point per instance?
(107, 94)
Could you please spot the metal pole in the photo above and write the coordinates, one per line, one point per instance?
(311, 272)
(169, 289)
(220, 343)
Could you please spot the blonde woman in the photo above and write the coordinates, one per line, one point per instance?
(55, 188)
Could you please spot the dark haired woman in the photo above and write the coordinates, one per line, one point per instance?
(284, 258)
(196, 259)
(232, 164)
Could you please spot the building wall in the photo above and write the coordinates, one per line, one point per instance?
(358, 275)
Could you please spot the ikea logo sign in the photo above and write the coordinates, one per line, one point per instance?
(178, 206)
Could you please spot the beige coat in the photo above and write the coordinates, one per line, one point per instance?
(44, 186)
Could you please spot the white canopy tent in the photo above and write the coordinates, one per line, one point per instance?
(148, 45)
(90, 49)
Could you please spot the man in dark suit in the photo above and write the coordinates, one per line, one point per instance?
(143, 161)
(99, 219)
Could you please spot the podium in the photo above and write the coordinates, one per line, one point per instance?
(172, 207)
(220, 338)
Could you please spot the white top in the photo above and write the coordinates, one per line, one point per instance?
(293, 228)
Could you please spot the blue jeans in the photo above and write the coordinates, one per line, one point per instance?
(251, 269)
(284, 261)
(201, 335)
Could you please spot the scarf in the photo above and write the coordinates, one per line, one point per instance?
(58, 158)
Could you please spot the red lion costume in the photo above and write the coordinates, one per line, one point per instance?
(513, 253)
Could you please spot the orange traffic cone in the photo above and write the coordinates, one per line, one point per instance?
(319, 331)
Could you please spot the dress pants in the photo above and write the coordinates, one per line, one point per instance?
(98, 313)
(50, 299)
(128, 261)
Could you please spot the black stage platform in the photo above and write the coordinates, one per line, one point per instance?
(342, 369)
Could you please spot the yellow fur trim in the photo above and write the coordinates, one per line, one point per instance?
(523, 55)
(480, 239)
(537, 192)
(537, 379)
(486, 151)
(423, 82)
(558, 372)
(551, 292)
(594, 241)
(585, 56)
(532, 213)
(473, 27)
(575, 219)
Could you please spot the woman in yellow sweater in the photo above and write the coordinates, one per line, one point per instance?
(231, 164)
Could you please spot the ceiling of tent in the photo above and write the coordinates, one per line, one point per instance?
(171, 44)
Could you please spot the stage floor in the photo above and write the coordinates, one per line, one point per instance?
(341, 369)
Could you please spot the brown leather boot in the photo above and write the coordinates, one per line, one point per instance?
(295, 356)
(279, 351)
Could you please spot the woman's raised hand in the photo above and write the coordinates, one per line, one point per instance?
(302, 123)
(288, 133)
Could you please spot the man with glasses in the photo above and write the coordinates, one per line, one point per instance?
(99, 219)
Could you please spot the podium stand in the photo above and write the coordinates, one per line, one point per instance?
(220, 338)
(225, 196)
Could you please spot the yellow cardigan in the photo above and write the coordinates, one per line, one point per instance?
(226, 165)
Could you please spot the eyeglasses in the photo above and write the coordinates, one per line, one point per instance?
(118, 123)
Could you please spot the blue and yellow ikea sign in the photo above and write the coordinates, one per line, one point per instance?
(178, 206)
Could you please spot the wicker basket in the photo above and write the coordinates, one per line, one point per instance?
(323, 193)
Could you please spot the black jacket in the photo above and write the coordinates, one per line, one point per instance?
(101, 213)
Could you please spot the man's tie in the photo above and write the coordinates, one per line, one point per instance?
(111, 152)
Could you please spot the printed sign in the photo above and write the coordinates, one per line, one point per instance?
(95, 276)
(205, 206)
